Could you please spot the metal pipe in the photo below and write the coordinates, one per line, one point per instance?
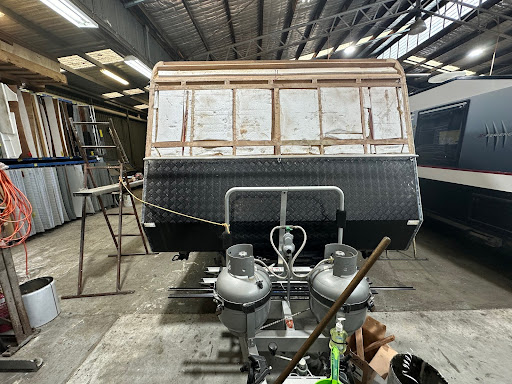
(334, 309)
(133, 3)
(286, 189)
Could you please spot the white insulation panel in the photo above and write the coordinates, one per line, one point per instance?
(300, 114)
(171, 111)
(253, 114)
(341, 113)
(213, 114)
(244, 114)
(385, 113)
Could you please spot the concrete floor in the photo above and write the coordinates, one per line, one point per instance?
(457, 319)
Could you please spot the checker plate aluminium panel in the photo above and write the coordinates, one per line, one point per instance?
(381, 198)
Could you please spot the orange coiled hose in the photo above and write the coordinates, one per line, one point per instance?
(15, 209)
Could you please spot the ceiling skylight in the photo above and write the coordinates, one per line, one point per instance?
(434, 24)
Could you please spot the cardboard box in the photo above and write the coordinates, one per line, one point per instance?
(374, 367)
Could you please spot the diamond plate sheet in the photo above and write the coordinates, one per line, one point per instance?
(375, 188)
(381, 195)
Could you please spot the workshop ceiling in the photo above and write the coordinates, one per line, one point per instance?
(465, 35)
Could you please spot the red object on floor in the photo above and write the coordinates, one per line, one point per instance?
(4, 313)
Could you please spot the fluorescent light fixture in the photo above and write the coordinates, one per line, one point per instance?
(451, 68)
(365, 40)
(134, 91)
(139, 66)
(141, 106)
(403, 28)
(343, 46)
(434, 63)
(75, 62)
(71, 12)
(350, 50)
(476, 52)
(324, 52)
(105, 56)
(309, 56)
(112, 95)
(384, 34)
(470, 73)
(417, 59)
(113, 76)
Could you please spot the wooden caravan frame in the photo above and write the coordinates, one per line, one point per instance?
(276, 76)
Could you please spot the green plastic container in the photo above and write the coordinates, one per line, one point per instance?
(335, 368)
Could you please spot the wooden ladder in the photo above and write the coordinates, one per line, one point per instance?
(98, 192)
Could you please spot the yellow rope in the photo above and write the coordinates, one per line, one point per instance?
(225, 225)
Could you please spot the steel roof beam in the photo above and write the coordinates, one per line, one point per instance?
(470, 25)
(230, 23)
(159, 34)
(381, 12)
(132, 3)
(376, 50)
(292, 6)
(372, 47)
(260, 26)
(506, 67)
(335, 25)
(344, 8)
(315, 15)
(127, 45)
(457, 23)
(196, 25)
(53, 39)
(90, 96)
(499, 54)
(466, 38)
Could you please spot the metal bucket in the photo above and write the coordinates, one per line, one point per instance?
(410, 369)
(40, 300)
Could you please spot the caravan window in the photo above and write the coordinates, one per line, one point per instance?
(439, 134)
